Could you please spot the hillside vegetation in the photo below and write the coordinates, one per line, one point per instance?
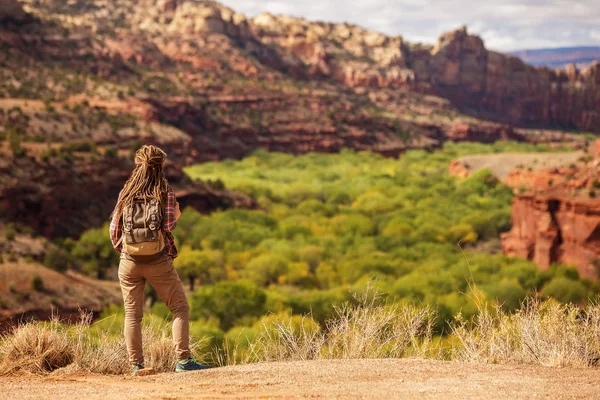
(330, 222)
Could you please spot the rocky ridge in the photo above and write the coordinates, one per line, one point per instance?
(64, 197)
(457, 67)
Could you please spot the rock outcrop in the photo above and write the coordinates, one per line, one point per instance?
(557, 218)
(458, 67)
(63, 198)
(549, 229)
(11, 12)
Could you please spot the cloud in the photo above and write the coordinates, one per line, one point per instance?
(506, 25)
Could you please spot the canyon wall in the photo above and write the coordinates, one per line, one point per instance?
(458, 67)
(66, 197)
(557, 217)
(556, 229)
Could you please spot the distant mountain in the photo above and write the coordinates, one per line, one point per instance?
(560, 57)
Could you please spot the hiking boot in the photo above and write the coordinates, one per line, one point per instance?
(136, 368)
(190, 365)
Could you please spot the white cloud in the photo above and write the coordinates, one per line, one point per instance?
(506, 25)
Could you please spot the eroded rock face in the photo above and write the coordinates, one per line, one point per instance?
(557, 219)
(12, 11)
(548, 229)
(64, 198)
(457, 168)
(458, 67)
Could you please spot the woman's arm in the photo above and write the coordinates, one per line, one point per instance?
(170, 219)
(116, 234)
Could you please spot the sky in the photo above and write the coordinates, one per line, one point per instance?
(504, 25)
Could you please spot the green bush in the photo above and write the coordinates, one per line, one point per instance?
(58, 260)
(230, 302)
(110, 152)
(565, 290)
(206, 266)
(37, 283)
(508, 294)
(94, 253)
(10, 232)
(15, 137)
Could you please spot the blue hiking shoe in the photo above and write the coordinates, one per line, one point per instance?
(190, 365)
(136, 368)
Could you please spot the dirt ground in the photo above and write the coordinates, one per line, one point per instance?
(502, 164)
(339, 379)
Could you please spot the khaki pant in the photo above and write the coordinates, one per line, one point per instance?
(165, 281)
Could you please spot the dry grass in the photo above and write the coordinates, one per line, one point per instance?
(369, 329)
(549, 334)
(37, 348)
(40, 348)
(542, 333)
(287, 338)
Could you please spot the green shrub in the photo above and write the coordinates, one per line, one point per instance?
(230, 302)
(37, 283)
(565, 290)
(93, 252)
(10, 232)
(15, 138)
(58, 260)
(110, 152)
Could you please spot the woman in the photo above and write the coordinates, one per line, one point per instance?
(147, 251)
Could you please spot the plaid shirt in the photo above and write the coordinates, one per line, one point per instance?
(169, 223)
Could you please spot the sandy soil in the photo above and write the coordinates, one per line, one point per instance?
(502, 164)
(341, 379)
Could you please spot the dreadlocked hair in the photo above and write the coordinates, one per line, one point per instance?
(147, 181)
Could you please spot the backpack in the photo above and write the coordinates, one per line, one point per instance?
(142, 228)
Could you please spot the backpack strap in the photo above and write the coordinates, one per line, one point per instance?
(128, 223)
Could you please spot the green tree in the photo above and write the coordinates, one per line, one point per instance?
(94, 252)
(58, 259)
(565, 290)
(266, 269)
(204, 266)
(231, 302)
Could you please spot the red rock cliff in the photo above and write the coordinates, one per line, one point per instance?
(549, 229)
(558, 218)
(458, 67)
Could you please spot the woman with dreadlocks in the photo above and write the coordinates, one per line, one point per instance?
(140, 230)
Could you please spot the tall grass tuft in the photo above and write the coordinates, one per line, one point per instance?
(544, 333)
(42, 347)
(97, 351)
(37, 348)
(368, 329)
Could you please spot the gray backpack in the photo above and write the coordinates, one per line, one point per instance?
(142, 228)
